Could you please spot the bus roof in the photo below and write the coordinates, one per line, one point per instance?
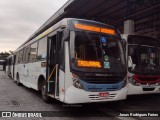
(63, 22)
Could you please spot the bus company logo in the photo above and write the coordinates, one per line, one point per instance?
(6, 114)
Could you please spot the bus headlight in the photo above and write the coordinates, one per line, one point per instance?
(76, 81)
(132, 81)
(124, 83)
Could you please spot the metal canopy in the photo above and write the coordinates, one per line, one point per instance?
(145, 13)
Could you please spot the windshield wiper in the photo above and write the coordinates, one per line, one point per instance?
(92, 42)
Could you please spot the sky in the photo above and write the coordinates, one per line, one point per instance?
(19, 19)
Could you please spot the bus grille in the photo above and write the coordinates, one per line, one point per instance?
(95, 97)
(148, 89)
(103, 80)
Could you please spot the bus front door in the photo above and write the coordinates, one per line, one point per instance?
(52, 67)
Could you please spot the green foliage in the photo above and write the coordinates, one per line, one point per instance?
(4, 55)
(11, 52)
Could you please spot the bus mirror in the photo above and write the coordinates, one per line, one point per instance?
(123, 42)
(130, 63)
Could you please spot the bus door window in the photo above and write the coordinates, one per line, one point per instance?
(53, 51)
(55, 48)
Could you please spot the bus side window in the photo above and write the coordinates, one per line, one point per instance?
(21, 56)
(33, 52)
(27, 54)
(17, 57)
(24, 55)
(42, 49)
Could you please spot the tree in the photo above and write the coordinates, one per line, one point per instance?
(4, 55)
(11, 52)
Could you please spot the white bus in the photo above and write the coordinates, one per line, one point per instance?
(2, 62)
(143, 55)
(9, 65)
(74, 61)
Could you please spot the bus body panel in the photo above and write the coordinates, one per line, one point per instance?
(29, 73)
(68, 79)
(142, 89)
(61, 85)
(134, 90)
(74, 95)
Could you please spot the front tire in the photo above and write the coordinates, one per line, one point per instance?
(45, 97)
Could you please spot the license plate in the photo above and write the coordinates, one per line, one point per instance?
(103, 94)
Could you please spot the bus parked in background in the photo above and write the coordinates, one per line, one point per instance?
(74, 61)
(9, 65)
(143, 56)
(2, 64)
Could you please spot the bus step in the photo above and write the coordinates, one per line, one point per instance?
(51, 86)
(51, 95)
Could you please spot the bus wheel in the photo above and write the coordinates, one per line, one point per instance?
(17, 80)
(45, 97)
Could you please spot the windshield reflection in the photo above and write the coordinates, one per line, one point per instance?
(144, 59)
(96, 47)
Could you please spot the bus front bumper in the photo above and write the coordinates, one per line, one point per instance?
(74, 95)
(135, 90)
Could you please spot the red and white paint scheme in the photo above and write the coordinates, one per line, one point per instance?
(143, 57)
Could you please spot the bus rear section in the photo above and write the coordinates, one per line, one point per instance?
(84, 63)
(143, 65)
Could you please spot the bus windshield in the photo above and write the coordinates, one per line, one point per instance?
(93, 50)
(145, 59)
